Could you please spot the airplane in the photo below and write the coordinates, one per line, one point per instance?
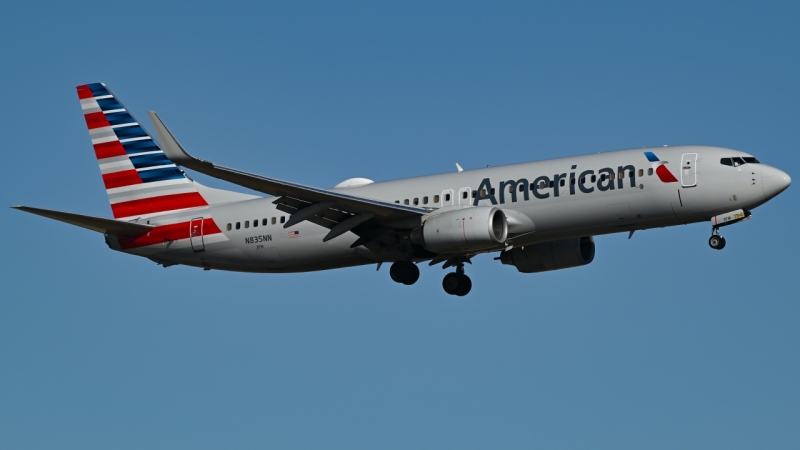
(539, 216)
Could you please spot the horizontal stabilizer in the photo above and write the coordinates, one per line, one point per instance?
(99, 224)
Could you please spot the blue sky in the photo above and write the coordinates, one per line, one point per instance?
(661, 342)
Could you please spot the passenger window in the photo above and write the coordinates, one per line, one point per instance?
(416, 201)
(492, 191)
(435, 199)
(611, 176)
(562, 182)
(603, 177)
(405, 202)
(264, 222)
(594, 178)
(424, 200)
(228, 227)
(621, 175)
(447, 197)
(641, 173)
(511, 189)
(483, 192)
(238, 225)
(247, 224)
(541, 185)
(650, 171)
(465, 194)
(521, 188)
(255, 223)
(551, 183)
(397, 201)
(274, 221)
(283, 219)
(630, 173)
(751, 160)
(474, 194)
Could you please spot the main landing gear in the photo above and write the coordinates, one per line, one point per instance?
(457, 283)
(716, 241)
(404, 272)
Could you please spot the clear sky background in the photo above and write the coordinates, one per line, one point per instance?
(660, 343)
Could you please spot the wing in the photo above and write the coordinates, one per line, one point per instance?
(368, 218)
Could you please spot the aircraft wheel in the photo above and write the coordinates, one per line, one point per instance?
(716, 242)
(451, 283)
(404, 272)
(457, 284)
(464, 285)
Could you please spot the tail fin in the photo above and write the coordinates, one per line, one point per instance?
(139, 178)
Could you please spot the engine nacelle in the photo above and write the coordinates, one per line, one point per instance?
(552, 255)
(463, 230)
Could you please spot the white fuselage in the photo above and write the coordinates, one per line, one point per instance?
(574, 206)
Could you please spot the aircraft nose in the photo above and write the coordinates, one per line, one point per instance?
(774, 181)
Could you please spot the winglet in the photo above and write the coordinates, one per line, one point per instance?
(169, 144)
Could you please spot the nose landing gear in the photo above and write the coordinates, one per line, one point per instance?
(716, 241)
(404, 272)
(457, 283)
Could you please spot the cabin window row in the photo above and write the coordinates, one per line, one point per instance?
(264, 222)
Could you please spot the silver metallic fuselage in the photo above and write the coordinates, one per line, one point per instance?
(649, 203)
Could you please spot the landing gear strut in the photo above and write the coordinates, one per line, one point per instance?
(456, 283)
(404, 272)
(716, 241)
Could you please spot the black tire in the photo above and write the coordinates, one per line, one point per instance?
(716, 242)
(464, 285)
(412, 276)
(722, 245)
(451, 283)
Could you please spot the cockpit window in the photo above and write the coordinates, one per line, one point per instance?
(751, 160)
(737, 162)
(726, 162)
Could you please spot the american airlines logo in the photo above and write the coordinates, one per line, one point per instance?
(605, 179)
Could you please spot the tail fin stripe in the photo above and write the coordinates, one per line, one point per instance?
(130, 133)
(96, 120)
(120, 179)
(109, 149)
(151, 205)
(134, 147)
(84, 92)
(129, 159)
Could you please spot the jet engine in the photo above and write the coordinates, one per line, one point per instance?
(463, 230)
(552, 255)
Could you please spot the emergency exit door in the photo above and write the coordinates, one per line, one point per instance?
(196, 234)
(689, 170)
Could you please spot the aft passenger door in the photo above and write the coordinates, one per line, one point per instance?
(196, 234)
(689, 170)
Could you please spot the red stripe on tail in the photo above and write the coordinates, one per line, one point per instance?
(158, 204)
(109, 149)
(84, 92)
(122, 178)
(96, 120)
